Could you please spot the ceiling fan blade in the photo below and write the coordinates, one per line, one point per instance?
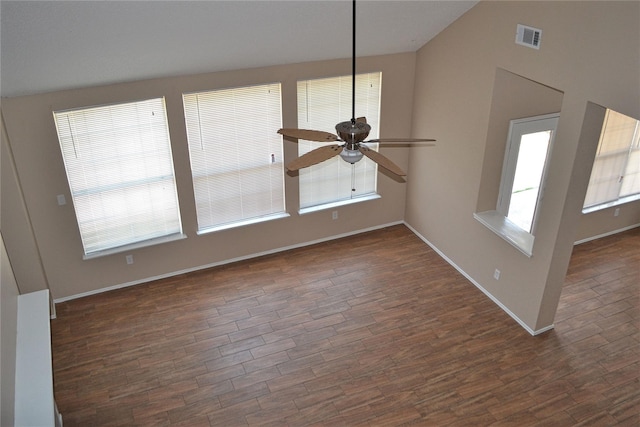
(382, 161)
(314, 156)
(401, 140)
(309, 135)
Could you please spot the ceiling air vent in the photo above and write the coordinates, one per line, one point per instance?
(528, 36)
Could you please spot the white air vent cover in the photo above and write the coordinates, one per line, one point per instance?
(528, 36)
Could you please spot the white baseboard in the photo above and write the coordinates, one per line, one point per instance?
(477, 285)
(326, 239)
(227, 261)
(610, 233)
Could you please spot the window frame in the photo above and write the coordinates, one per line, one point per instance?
(203, 135)
(91, 185)
(633, 149)
(509, 166)
(337, 168)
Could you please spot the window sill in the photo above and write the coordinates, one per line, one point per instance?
(510, 232)
(236, 224)
(620, 201)
(325, 206)
(133, 246)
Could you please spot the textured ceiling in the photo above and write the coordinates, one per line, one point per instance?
(53, 45)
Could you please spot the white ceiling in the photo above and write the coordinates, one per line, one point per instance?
(53, 45)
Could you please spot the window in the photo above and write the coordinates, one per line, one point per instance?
(615, 176)
(322, 104)
(120, 171)
(529, 143)
(236, 155)
(522, 183)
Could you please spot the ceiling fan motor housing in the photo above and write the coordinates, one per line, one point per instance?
(353, 133)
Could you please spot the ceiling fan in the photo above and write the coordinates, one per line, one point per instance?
(351, 133)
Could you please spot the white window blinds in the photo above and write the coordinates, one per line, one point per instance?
(236, 155)
(616, 168)
(323, 103)
(120, 171)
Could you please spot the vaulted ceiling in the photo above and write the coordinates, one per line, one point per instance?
(53, 45)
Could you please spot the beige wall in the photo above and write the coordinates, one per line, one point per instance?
(8, 327)
(589, 52)
(40, 171)
(16, 226)
(513, 97)
(604, 222)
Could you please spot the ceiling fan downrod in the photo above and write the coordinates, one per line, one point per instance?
(353, 65)
(353, 132)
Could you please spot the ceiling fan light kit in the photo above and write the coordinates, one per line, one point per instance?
(351, 156)
(352, 133)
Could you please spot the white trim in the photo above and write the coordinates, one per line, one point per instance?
(228, 261)
(34, 399)
(313, 242)
(331, 205)
(610, 233)
(137, 245)
(517, 129)
(543, 330)
(243, 223)
(477, 285)
(52, 307)
(503, 227)
(617, 202)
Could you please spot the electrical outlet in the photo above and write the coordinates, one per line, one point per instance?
(616, 212)
(334, 215)
(129, 259)
(61, 200)
(496, 274)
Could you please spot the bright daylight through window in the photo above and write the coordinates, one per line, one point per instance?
(521, 187)
(236, 155)
(323, 103)
(615, 176)
(120, 171)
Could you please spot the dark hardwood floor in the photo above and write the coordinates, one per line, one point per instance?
(374, 329)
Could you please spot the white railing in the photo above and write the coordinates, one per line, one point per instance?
(34, 401)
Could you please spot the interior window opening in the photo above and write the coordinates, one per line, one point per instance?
(529, 144)
(615, 175)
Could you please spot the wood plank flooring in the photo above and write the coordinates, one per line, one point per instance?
(370, 330)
